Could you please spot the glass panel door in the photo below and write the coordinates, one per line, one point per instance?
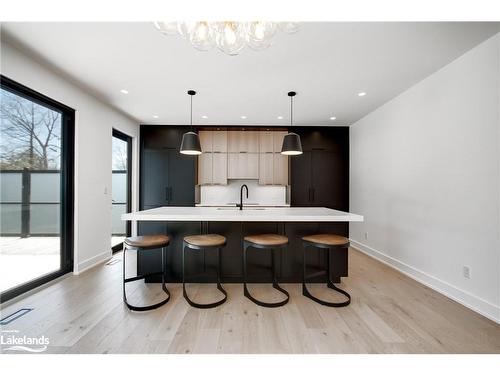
(32, 162)
(121, 185)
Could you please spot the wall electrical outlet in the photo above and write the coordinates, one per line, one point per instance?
(466, 272)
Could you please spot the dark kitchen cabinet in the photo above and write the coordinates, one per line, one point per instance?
(167, 176)
(320, 176)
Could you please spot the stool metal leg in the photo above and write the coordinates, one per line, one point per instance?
(329, 282)
(276, 286)
(141, 277)
(219, 286)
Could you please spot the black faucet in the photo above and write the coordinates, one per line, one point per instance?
(241, 196)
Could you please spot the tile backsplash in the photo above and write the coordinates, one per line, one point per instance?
(267, 195)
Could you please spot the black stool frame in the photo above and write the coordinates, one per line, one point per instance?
(329, 282)
(218, 267)
(273, 248)
(140, 277)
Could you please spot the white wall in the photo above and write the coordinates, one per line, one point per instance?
(94, 123)
(425, 173)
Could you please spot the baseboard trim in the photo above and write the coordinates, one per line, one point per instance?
(92, 262)
(470, 301)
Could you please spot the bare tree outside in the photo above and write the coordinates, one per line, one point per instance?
(30, 134)
(119, 155)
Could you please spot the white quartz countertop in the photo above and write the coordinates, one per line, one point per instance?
(272, 214)
(245, 204)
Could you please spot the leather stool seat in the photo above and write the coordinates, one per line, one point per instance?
(326, 239)
(157, 240)
(206, 240)
(267, 239)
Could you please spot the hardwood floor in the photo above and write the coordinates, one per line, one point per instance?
(389, 313)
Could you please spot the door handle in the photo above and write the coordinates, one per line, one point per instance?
(168, 193)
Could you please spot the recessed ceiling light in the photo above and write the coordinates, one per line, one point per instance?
(155, 116)
(333, 118)
(243, 117)
(204, 116)
(361, 93)
(280, 117)
(123, 91)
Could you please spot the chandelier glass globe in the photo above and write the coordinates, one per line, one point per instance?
(259, 34)
(229, 37)
(289, 27)
(202, 36)
(185, 28)
(167, 28)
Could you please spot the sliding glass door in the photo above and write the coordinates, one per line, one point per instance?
(36, 189)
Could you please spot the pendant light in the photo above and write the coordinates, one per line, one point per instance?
(291, 141)
(190, 144)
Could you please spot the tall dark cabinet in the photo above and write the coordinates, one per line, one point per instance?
(320, 176)
(167, 178)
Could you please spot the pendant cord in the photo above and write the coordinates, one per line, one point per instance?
(191, 96)
(291, 111)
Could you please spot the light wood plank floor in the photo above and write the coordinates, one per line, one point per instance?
(390, 313)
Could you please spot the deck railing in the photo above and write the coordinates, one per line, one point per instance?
(30, 202)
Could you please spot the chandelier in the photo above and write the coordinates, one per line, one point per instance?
(229, 37)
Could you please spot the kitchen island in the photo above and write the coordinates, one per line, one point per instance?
(234, 224)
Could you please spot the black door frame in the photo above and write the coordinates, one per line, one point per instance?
(127, 138)
(67, 184)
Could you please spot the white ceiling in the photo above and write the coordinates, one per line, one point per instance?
(326, 63)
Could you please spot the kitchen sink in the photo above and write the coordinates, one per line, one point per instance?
(237, 208)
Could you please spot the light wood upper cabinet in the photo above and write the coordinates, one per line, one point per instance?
(219, 168)
(205, 176)
(243, 141)
(243, 165)
(266, 169)
(266, 141)
(219, 141)
(242, 155)
(205, 140)
(280, 169)
(278, 140)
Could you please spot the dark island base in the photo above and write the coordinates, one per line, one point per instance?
(200, 265)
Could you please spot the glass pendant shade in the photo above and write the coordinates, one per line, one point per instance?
(190, 144)
(291, 144)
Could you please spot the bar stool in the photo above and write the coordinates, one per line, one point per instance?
(141, 243)
(328, 242)
(269, 242)
(203, 242)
